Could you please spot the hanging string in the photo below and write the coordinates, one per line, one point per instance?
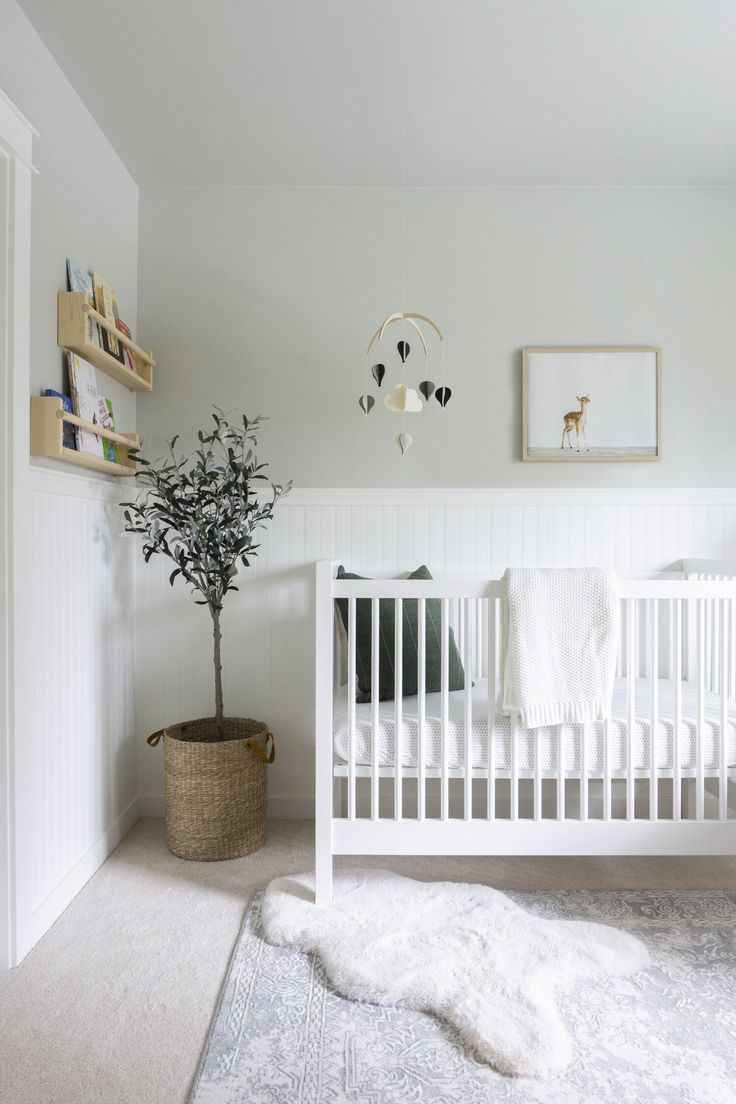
(403, 222)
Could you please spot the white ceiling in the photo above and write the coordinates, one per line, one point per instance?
(488, 91)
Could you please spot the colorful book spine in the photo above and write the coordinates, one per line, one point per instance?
(104, 301)
(105, 418)
(83, 386)
(125, 329)
(69, 437)
(80, 280)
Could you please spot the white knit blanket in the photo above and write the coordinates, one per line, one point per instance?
(558, 645)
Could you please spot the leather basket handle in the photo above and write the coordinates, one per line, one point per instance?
(154, 738)
(261, 752)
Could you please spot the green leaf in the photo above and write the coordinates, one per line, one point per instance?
(200, 510)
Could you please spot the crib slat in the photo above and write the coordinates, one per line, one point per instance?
(514, 811)
(479, 638)
(468, 724)
(351, 708)
(492, 610)
(676, 776)
(421, 703)
(398, 705)
(584, 771)
(723, 782)
(444, 703)
(631, 711)
(560, 775)
(654, 722)
(707, 640)
(607, 771)
(537, 775)
(375, 637)
(715, 610)
(699, 778)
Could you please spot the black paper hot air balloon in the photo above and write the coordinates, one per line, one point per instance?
(404, 349)
(426, 388)
(379, 371)
(366, 403)
(443, 395)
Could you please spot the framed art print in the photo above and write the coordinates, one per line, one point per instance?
(592, 403)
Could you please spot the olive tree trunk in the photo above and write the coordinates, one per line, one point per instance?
(217, 637)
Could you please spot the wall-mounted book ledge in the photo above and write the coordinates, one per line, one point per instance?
(47, 438)
(73, 332)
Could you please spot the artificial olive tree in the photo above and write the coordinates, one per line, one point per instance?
(203, 512)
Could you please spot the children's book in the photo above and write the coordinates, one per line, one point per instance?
(69, 437)
(81, 280)
(125, 329)
(104, 301)
(83, 386)
(105, 418)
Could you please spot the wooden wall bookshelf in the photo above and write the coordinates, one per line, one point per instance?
(47, 430)
(73, 333)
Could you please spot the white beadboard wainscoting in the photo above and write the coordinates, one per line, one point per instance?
(268, 626)
(75, 761)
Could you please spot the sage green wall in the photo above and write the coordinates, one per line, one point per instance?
(84, 201)
(265, 298)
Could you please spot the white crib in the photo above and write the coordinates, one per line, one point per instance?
(429, 776)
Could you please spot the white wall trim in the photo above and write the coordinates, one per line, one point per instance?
(16, 142)
(510, 496)
(269, 626)
(151, 805)
(75, 879)
(54, 481)
(291, 807)
(16, 133)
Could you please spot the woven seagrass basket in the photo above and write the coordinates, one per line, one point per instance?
(215, 789)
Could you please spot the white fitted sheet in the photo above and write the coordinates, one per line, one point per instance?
(572, 733)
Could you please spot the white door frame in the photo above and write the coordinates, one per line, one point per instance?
(16, 171)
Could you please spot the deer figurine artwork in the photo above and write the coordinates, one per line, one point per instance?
(575, 419)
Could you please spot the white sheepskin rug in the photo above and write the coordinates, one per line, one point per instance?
(466, 953)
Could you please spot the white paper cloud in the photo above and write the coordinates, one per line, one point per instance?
(403, 400)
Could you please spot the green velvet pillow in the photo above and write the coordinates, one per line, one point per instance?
(387, 620)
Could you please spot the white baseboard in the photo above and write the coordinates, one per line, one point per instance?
(151, 805)
(291, 807)
(52, 906)
(280, 806)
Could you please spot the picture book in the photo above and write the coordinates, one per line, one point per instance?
(104, 300)
(81, 280)
(105, 418)
(69, 437)
(125, 329)
(83, 386)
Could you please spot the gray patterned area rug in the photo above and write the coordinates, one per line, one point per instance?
(282, 1035)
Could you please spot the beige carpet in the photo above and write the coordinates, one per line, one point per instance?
(113, 1005)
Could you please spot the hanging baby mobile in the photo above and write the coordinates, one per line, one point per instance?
(400, 398)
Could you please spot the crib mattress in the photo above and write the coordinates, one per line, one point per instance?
(572, 733)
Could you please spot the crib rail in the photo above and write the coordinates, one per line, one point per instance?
(666, 757)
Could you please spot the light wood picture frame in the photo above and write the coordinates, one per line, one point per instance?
(591, 403)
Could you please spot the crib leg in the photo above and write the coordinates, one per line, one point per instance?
(323, 879)
(323, 840)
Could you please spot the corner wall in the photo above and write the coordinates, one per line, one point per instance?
(264, 299)
(73, 752)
